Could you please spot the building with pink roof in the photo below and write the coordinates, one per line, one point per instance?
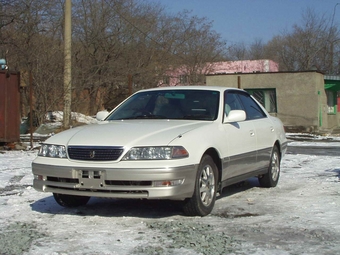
(187, 75)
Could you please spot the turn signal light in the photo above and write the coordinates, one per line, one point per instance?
(168, 183)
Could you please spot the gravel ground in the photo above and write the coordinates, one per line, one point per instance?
(300, 216)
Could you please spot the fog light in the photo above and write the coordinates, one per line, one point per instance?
(168, 183)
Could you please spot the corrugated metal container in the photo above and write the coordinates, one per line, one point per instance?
(9, 106)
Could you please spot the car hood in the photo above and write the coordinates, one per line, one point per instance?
(127, 133)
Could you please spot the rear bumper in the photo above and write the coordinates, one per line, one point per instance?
(115, 182)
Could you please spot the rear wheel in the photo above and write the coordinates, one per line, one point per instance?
(203, 200)
(271, 178)
(70, 200)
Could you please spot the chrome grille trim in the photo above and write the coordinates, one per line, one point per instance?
(95, 153)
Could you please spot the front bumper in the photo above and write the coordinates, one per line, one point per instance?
(116, 182)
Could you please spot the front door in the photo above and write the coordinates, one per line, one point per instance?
(240, 139)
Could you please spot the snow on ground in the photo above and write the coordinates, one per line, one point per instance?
(79, 117)
(299, 216)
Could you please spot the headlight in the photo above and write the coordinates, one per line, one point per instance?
(53, 151)
(149, 153)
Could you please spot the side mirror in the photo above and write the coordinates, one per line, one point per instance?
(101, 115)
(235, 116)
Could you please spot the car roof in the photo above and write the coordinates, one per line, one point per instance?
(192, 87)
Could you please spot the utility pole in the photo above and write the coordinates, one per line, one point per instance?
(31, 109)
(67, 65)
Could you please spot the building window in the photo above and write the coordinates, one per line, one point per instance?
(331, 101)
(266, 97)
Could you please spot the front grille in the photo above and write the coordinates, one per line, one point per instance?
(94, 153)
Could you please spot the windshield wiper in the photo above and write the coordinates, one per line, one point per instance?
(151, 116)
(197, 117)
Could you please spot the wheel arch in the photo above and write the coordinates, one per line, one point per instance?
(278, 145)
(213, 153)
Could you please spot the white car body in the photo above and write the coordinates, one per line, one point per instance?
(240, 149)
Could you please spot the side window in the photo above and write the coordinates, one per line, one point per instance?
(253, 110)
(231, 102)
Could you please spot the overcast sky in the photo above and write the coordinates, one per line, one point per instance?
(247, 20)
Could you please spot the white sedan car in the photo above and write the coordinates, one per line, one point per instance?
(176, 143)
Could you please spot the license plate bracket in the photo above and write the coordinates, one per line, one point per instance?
(91, 179)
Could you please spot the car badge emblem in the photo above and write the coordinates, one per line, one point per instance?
(92, 154)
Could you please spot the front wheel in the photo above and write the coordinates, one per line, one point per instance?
(70, 200)
(203, 200)
(271, 178)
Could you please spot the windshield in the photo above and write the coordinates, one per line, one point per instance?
(169, 104)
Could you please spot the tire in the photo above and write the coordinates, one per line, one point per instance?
(271, 178)
(203, 200)
(70, 200)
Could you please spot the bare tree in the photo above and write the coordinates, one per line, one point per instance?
(238, 52)
(111, 42)
(31, 44)
(115, 40)
(196, 45)
(257, 50)
(310, 45)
